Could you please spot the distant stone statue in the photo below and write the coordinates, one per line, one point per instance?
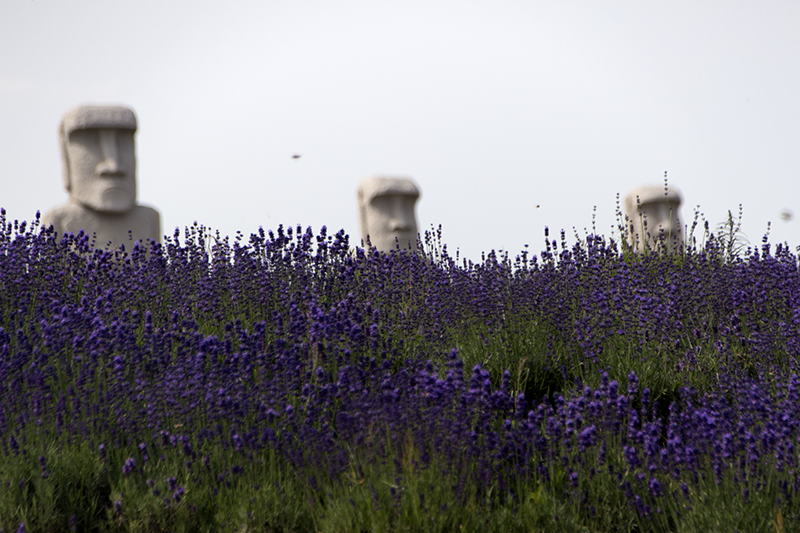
(386, 208)
(653, 218)
(99, 170)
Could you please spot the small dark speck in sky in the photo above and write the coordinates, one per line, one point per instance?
(296, 156)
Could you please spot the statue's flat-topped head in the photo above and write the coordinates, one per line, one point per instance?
(374, 186)
(650, 194)
(386, 209)
(98, 117)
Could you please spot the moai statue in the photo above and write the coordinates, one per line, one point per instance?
(99, 170)
(653, 218)
(386, 209)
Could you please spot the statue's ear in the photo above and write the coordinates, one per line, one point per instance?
(362, 213)
(62, 141)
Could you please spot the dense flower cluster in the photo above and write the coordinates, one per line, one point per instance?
(499, 374)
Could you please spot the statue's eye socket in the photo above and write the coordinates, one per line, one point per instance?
(84, 137)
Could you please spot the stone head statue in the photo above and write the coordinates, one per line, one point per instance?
(98, 157)
(386, 209)
(654, 217)
(98, 160)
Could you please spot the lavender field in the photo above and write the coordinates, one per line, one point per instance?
(292, 382)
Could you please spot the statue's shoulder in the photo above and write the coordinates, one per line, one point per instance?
(58, 215)
(143, 214)
(149, 221)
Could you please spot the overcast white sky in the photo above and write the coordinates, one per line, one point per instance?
(493, 107)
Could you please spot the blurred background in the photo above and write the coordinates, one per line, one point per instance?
(510, 115)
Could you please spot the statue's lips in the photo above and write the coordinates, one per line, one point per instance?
(403, 237)
(115, 192)
(117, 199)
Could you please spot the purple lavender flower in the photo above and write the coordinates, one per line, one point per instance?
(43, 465)
(143, 452)
(632, 457)
(129, 466)
(296, 320)
(587, 437)
(655, 487)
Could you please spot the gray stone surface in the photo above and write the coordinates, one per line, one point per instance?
(386, 209)
(98, 157)
(653, 217)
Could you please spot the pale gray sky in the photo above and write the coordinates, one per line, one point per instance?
(493, 107)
